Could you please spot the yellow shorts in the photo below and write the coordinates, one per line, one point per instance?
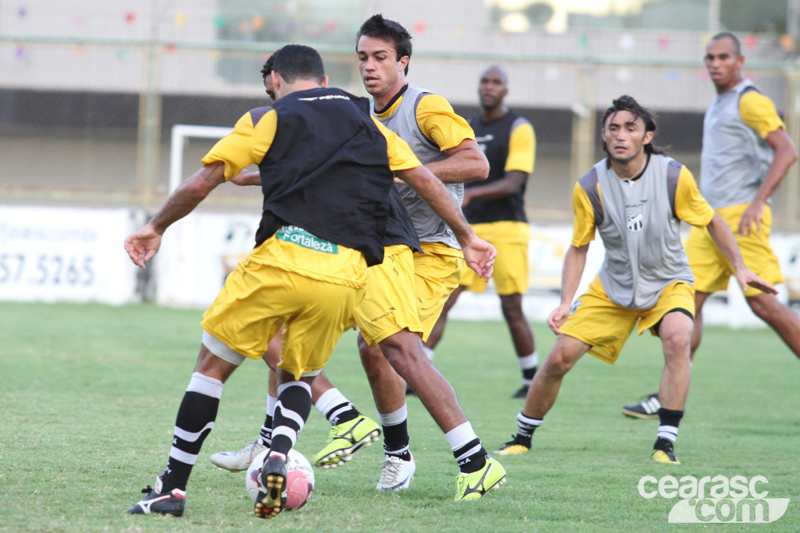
(511, 266)
(436, 275)
(257, 299)
(605, 326)
(389, 303)
(712, 271)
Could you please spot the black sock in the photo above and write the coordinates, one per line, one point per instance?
(471, 457)
(525, 428)
(294, 401)
(669, 420)
(195, 421)
(266, 431)
(344, 412)
(396, 439)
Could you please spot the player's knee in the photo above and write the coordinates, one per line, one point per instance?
(512, 309)
(765, 307)
(557, 364)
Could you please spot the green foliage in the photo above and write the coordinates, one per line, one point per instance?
(89, 395)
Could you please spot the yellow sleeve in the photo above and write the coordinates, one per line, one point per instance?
(690, 206)
(583, 224)
(400, 155)
(521, 149)
(758, 112)
(439, 123)
(245, 145)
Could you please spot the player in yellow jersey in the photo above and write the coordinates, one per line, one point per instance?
(635, 199)
(746, 154)
(393, 325)
(327, 206)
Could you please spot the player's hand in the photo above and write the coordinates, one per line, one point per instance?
(558, 317)
(245, 178)
(752, 215)
(142, 245)
(479, 256)
(747, 278)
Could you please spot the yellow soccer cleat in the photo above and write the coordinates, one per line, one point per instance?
(346, 439)
(473, 486)
(665, 455)
(514, 447)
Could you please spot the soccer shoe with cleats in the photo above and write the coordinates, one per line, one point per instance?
(647, 408)
(159, 502)
(346, 439)
(521, 393)
(515, 446)
(271, 498)
(664, 453)
(474, 485)
(396, 474)
(238, 461)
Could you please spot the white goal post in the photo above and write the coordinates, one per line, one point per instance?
(181, 132)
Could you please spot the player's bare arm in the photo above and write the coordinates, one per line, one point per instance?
(574, 263)
(511, 183)
(144, 243)
(463, 163)
(724, 239)
(785, 155)
(246, 178)
(478, 254)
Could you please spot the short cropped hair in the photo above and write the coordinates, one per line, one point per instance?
(629, 104)
(266, 70)
(378, 27)
(297, 61)
(737, 46)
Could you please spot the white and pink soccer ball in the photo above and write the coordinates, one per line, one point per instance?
(299, 479)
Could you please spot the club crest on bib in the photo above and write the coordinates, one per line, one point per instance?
(635, 222)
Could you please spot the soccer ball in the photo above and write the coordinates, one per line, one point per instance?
(299, 479)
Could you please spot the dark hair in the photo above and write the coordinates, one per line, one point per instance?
(737, 46)
(296, 61)
(378, 27)
(266, 70)
(627, 103)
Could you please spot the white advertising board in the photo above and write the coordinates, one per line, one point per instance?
(59, 254)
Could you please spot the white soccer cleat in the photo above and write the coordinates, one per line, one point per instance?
(238, 461)
(396, 474)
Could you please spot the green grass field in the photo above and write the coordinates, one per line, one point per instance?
(89, 396)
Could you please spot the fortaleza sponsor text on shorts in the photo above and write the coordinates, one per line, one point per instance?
(715, 500)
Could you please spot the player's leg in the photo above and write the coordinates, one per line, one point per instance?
(323, 312)
(479, 473)
(522, 336)
(711, 274)
(675, 330)
(649, 406)
(781, 318)
(240, 460)
(543, 391)
(194, 422)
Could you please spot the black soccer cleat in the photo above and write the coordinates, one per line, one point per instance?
(159, 502)
(647, 408)
(521, 393)
(271, 498)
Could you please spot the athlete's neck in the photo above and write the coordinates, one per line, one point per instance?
(494, 113)
(384, 101)
(630, 169)
(730, 85)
